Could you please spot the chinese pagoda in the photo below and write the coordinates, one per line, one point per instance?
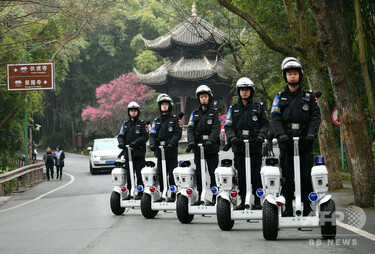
(194, 51)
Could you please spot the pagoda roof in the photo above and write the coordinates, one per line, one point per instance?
(188, 69)
(193, 32)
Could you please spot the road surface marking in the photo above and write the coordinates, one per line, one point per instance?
(356, 230)
(72, 179)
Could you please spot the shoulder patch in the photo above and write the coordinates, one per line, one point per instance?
(276, 104)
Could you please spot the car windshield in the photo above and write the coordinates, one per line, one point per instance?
(102, 145)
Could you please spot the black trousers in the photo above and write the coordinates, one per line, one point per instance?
(59, 171)
(138, 164)
(287, 166)
(171, 164)
(49, 169)
(212, 160)
(256, 181)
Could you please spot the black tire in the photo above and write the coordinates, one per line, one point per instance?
(328, 229)
(182, 210)
(270, 221)
(92, 170)
(146, 210)
(115, 204)
(224, 214)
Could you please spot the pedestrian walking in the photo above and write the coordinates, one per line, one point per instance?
(49, 162)
(59, 161)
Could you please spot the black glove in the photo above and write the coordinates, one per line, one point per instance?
(234, 140)
(209, 143)
(170, 145)
(133, 144)
(191, 145)
(310, 138)
(284, 139)
(121, 145)
(259, 140)
(152, 148)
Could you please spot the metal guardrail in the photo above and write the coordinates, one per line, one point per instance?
(30, 175)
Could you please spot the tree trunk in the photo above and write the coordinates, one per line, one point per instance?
(329, 20)
(327, 143)
(363, 60)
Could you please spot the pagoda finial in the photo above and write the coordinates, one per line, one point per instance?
(194, 10)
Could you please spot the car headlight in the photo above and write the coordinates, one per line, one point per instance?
(96, 157)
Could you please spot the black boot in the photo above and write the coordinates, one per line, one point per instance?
(307, 211)
(139, 195)
(288, 212)
(213, 201)
(241, 206)
(172, 198)
(257, 205)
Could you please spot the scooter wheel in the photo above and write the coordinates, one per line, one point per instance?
(115, 204)
(270, 221)
(224, 214)
(328, 229)
(146, 210)
(182, 210)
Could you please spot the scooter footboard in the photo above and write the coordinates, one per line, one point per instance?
(211, 210)
(163, 206)
(299, 222)
(246, 214)
(131, 203)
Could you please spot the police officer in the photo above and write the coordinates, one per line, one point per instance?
(204, 127)
(295, 113)
(166, 129)
(247, 120)
(134, 133)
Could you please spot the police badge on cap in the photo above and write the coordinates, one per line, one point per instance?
(305, 107)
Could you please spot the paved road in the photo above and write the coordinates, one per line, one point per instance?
(77, 219)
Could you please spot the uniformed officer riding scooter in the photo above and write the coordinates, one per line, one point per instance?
(323, 214)
(165, 133)
(132, 139)
(295, 122)
(122, 197)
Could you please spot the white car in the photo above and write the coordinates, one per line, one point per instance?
(104, 154)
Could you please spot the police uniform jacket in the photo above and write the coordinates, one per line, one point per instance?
(166, 128)
(134, 131)
(252, 119)
(203, 126)
(295, 114)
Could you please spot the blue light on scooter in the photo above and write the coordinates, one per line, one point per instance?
(173, 188)
(260, 192)
(139, 188)
(319, 160)
(313, 197)
(214, 190)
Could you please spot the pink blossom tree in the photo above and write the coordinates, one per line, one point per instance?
(113, 99)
